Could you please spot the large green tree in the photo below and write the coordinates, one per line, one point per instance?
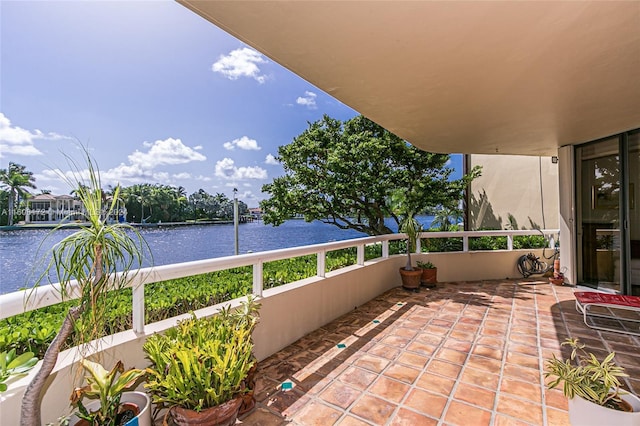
(354, 174)
(16, 179)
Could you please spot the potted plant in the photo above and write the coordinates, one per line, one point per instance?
(410, 275)
(429, 276)
(593, 388)
(112, 406)
(99, 257)
(198, 369)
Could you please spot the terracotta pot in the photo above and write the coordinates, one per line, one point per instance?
(429, 277)
(586, 413)
(556, 281)
(221, 415)
(249, 383)
(411, 279)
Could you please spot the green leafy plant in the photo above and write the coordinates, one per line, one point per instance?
(86, 262)
(14, 366)
(202, 362)
(586, 376)
(425, 265)
(107, 387)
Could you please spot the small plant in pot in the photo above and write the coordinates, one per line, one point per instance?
(593, 388)
(429, 276)
(410, 276)
(112, 406)
(199, 368)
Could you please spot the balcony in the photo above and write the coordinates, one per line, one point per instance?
(471, 349)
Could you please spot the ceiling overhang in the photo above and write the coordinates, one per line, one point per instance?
(468, 77)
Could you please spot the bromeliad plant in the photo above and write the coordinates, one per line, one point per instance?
(587, 377)
(107, 387)
(202, 362)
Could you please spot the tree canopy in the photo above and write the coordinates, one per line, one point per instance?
(354, 174)
(15, 180)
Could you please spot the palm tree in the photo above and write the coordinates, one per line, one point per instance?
(91, 256)
(15, 179)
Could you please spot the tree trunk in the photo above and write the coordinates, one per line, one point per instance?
(11, 207)
(30, 409)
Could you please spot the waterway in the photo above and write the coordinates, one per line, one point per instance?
(23, 253)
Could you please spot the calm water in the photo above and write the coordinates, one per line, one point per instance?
(23, 253)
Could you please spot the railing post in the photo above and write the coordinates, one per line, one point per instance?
(418, 245)
(322, 256)
(385, 249)
(465, 243)
(509, 242)
(137, 308)
(257, 279)
(360, 254)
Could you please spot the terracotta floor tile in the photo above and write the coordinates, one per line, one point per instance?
(317, 414)
(522, 373)
(262, 417)
(402, 373)
(524, 390)
(425, 402)
(372, 363)
(557, 417)
(406, 417)
(503, 420)
(389, 389)
(373, 409)
(409, 333)
(287, 403)
(457, 345)
(492, 342)
(435, 383)
(488, 352)
(520, 409)
(462, 335)
(463, 414)
(452, 356)
(396, 341)
(384, 351)
(523, 360)
(446, 369)
(474, 395)
(421, 348)
(556, 399)
(340, 394)
(413, 360)
(480, 378)
(483, 363)
(352, 421)
(357, 377)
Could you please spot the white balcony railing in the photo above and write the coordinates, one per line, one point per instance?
(26, 300)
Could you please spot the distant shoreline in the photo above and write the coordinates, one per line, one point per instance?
(29, 226)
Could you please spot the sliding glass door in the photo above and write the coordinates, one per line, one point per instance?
(608, 215)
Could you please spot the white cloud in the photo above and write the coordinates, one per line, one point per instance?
(18, 141)
(227, 169)
(203, 178)
(308, 100)
(242, 143)
(270, 159)
(183, 175)
(165, 152)
(241, 63)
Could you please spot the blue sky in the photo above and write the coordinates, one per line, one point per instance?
(157, 93)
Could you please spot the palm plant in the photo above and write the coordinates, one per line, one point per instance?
(86, 261)
(412, 228)
(16, 179)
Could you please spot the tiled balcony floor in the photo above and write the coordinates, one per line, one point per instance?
(462, 354)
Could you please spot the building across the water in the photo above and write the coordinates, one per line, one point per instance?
(49, 208)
